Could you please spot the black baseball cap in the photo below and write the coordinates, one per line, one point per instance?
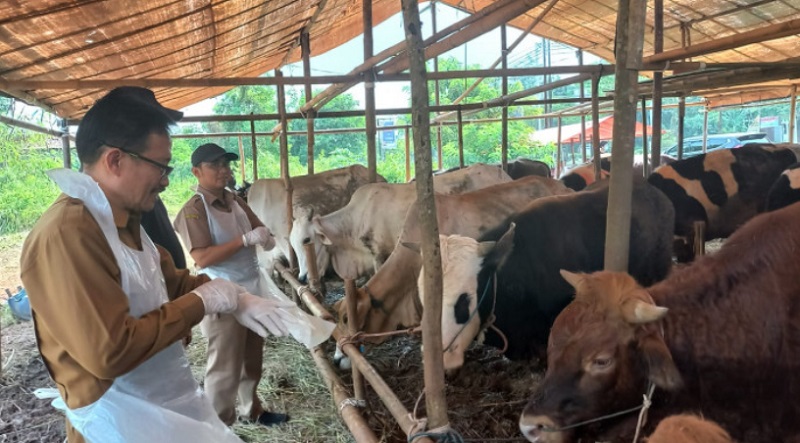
(142, 96)
(210, 152)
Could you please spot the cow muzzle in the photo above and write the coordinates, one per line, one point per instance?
(541, 429)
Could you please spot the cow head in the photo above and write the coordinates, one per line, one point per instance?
(303, 233)
(604, 349)
(467, 270)
(347, 255)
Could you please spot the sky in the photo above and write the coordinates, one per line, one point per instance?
(483, 50)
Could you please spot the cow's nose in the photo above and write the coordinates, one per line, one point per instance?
(540, 429)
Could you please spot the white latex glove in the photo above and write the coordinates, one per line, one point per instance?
(219, 296)
(259, 236)
(261, 315)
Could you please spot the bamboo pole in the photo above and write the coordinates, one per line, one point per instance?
(583, 116)
(369, 93)
(241, 159)
(351, 298)
(558, 149)
(764, 33)
(658, 83)
(681, 117)
(596, 126)
(792, 113)
(435, 401)
(705, 130)
(314, 280)
(66, 154)
(460, 140)
(305, 48)
(254, 148)
(504, 91)
(408, 156)
(349, 412)
(630, 37)
(389, 399)
(644, 137)
(287, 180)
(436, 97)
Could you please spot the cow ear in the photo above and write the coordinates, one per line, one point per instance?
(574, 279)
(661, 368)
(639, 312)
(319, 230)
(414, 246)
(496, 254)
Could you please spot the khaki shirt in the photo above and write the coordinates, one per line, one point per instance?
(191, 223)
(84, 330)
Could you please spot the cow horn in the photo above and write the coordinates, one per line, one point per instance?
(574, 279)
(640, 312)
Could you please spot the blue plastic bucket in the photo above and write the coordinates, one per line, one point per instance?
(20, 306)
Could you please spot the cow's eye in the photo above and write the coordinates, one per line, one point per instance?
(601, 362)
(306, 240)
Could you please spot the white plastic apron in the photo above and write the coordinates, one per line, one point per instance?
(159, 400)
(241, 267)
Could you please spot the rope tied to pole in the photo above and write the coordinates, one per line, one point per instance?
(353, 402)
(442, 434)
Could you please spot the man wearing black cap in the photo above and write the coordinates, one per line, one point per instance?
(221, 232)
(109, 307)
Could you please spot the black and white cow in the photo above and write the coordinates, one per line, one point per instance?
(723, 189)
(525, 253)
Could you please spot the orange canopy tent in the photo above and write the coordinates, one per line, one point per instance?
(572, 133)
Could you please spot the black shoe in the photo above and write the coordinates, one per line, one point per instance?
(272, 418)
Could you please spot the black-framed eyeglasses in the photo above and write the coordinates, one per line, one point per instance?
(165, 170)
(219, 163)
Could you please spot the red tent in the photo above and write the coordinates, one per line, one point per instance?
(572, 133)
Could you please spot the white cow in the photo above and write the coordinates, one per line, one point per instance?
(321, 193)
(359, 237)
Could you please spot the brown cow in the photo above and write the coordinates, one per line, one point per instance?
(688, 428)
(721, 337)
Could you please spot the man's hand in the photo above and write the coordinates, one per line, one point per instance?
(262, 315)
(219, 296)
(259, 236)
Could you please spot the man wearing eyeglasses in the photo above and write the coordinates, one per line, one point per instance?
(221, 231)
(109, 307)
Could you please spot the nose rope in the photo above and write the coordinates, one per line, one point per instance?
(472, 315)
(642, 415)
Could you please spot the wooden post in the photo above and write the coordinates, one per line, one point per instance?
(644, 137)
(66, 154)
(792, 113)
(435, 401)
(287, 180)
(436, 98)
(352, 300)
(681, 117)
(460, 139)
(241, 159)
(596, 125)
(583, 116)
(698, 240)
(504, 86)
(408, 156)
(705, 128)
(630, 38)
(658, 82)
(314, 280)
(369, 94)
(305, 48)
(558, 149)
(253, 146)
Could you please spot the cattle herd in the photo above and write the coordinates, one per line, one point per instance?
(714, 340)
